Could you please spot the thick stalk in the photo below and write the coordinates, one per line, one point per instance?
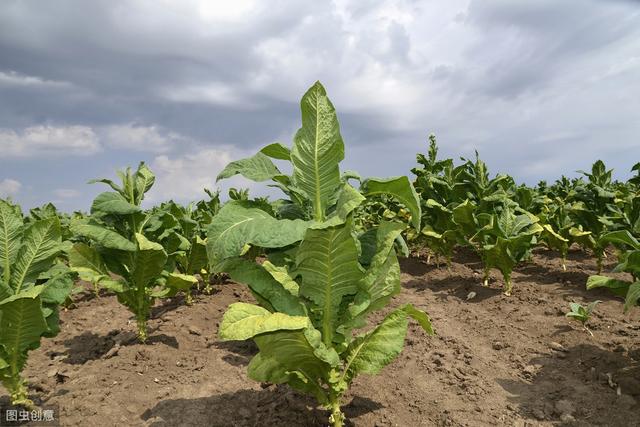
(485, 278)
(18, 391)
(599, 263)
(142, 313)
(507, 284)
(337, 417)
(141, 321)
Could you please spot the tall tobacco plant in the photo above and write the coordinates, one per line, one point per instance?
(32, 287)
(321, 280)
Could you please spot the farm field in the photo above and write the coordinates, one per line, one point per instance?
(495, 360)
(453, 297)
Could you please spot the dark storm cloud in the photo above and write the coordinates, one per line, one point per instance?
(541, 88)
(538, 40)
(116, 71)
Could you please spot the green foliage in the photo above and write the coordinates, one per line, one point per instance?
(324, 276)
(580, 313)
(505, 240)
(629, 262)
(120, 257)
(32, 287)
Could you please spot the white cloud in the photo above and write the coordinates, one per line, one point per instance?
(215, 93)
(9, 187)
(142, 138)
(183, 178)
(49, 141)
(66, 193)
(11, 78)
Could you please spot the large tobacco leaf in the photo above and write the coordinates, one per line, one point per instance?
(32, 286)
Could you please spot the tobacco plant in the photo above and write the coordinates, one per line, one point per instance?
(120, 257)
(505, 240)
(321, 280)
(32, 287)
(582, 314)
(629, 262)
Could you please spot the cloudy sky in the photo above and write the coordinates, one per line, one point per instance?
(540, 88)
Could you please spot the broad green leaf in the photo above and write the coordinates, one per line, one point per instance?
(40, 245)
(21, 325)
(267, 289)
(57, 289)
(349, 199)
(373, 351)
(623, 237)
(499, 256)
(111, 203)
(463, 216)
(277, 151)
(3, 364)
(86, 260)
(368, 243)
(300, 350)
(257, 168)
(109, 182)
(382, 278)
(281, 274)
(103, 236)
(180, 282)
(317, 150)
(400, 188)
(5, 290)
(267, 369)
(421, 317)
(633, 296)
(197, 257)
(327, 261)
(144, 180)
(618, 287)
(243, 321)
(236, 225)
(149, 262)
(11, 227)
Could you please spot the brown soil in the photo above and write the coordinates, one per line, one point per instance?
(496, 360)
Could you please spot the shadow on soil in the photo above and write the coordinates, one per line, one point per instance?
(89, 346)
(241, 351)
(576, 382)
(273, 406)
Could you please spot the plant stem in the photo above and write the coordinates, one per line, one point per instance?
(17, 388)
(507, 285)
(599, 263)
(142, 327)
(337, 417)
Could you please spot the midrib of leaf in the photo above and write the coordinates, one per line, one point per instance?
(319, 213)
(234, 225)
(355, 355)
